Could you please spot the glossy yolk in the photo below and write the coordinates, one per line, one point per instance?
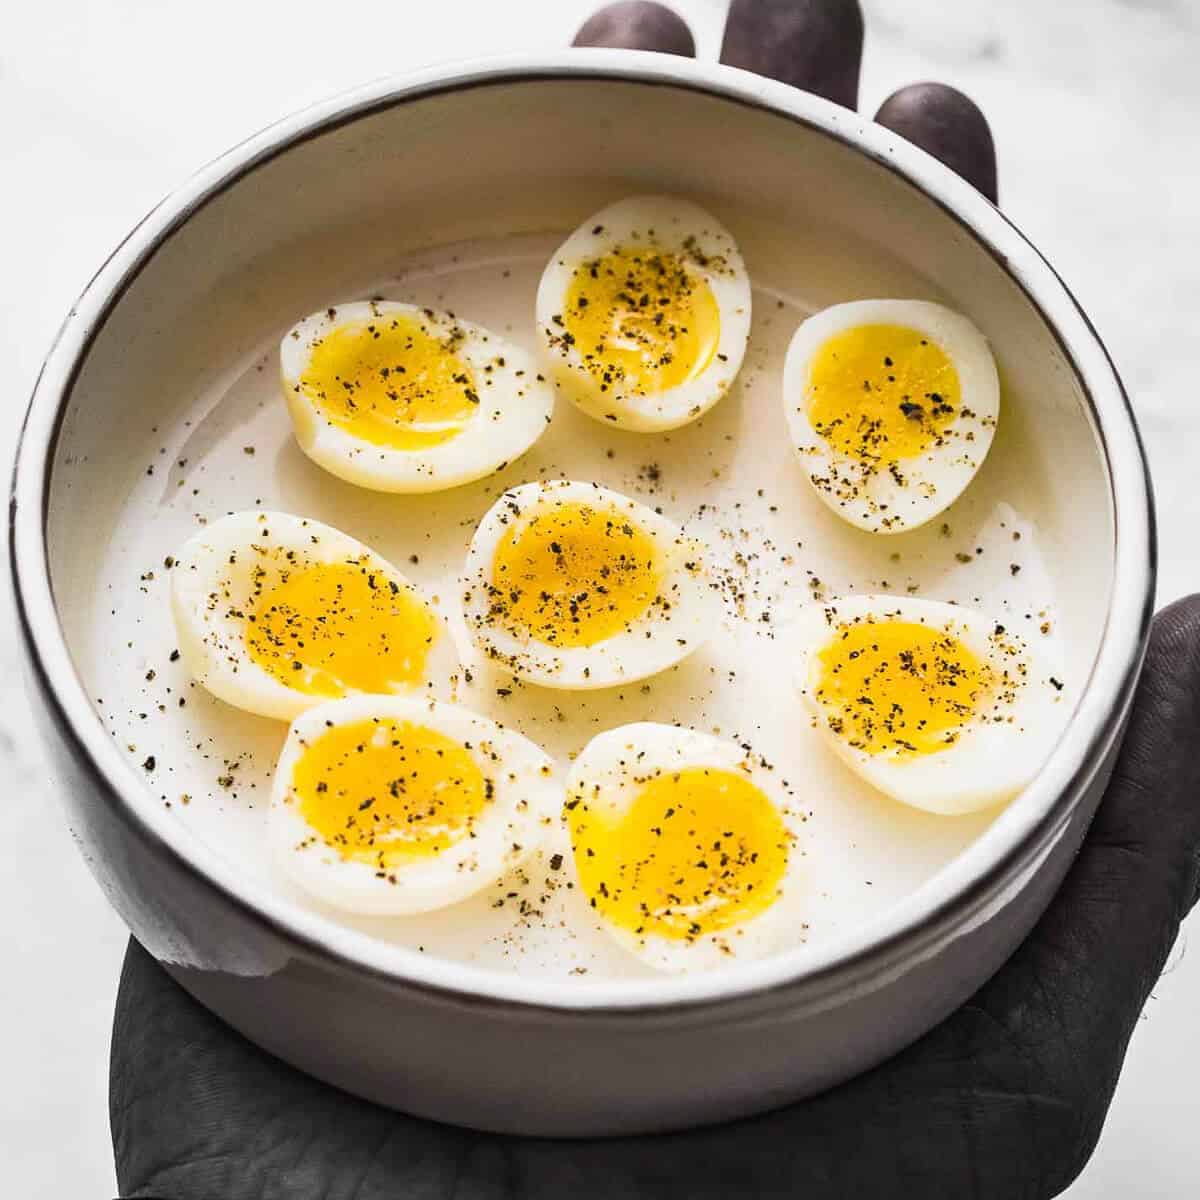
(642, 320)
(882, 393)
(382, 791)
(391, 382)
(331, 628)
(697, 851)
(574, 575)
(899, 688)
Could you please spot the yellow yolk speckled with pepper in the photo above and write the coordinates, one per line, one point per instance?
(329, 628)
(390, 382)
(882, 393)
(899, 688)
(570, 585)
(696, 852)
(574, 575)
(641, 319)
(385, 791)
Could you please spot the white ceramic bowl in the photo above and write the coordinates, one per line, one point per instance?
(303, 209)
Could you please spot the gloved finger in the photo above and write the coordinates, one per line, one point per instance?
(637, 25)
(1160, 753)
(1106, 938)
(948, 125)
(815, 45)
(1104, 942)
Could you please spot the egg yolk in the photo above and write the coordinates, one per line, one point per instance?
(899, 688)
(642, 320)
(383, 791)
(391, 382)
(574, 575)
(882, 393)
(698, 851)
(331, 628)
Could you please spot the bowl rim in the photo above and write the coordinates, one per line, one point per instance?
(960, 894)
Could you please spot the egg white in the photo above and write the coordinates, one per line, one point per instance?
(992, 760)
(609, 773)
(515, 405)
(665, 222)
(930, 482)
(526, 802)
(212, 575)
(653, 642)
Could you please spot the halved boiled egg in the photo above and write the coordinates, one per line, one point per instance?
(398, 398)
(892, 406)
(936, 705)
(571, 585)
(395, 804)
(276, 614)
(645, 312)
(681, 846)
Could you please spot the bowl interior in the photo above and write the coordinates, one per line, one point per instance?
(512, 163)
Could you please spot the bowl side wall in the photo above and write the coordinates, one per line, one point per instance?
(515, 156)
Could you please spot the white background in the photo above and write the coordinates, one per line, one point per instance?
(106, 106)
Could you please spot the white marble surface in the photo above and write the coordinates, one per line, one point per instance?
(105, 106)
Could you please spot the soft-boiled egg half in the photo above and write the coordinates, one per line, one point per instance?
(570, 585)
(644, 312)
(396, 804)
(681, 846)
(892, 405)
(398, 398)
(276, 614)
(936, 705)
